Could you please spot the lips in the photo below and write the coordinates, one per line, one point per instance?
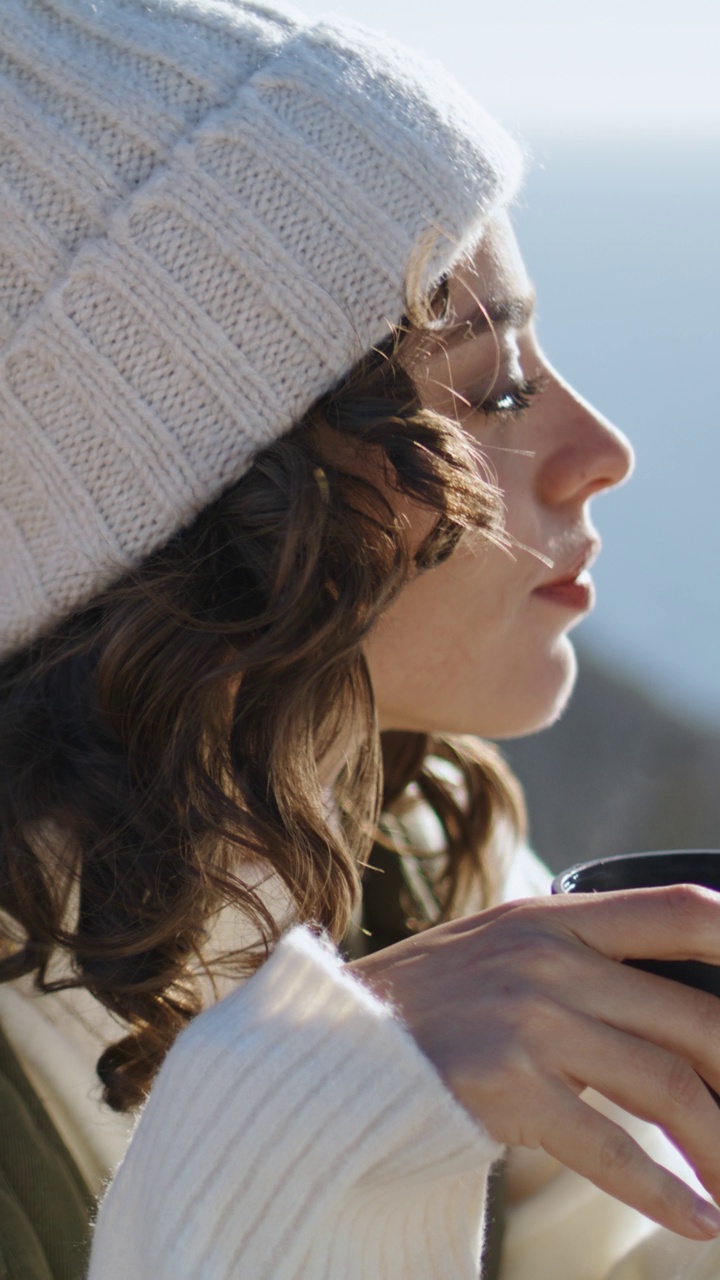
(573, 588)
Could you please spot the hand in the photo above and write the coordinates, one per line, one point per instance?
(523, 1006)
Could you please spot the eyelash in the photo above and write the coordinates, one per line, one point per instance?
(511, 403)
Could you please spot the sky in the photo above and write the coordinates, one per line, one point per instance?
(568, 66)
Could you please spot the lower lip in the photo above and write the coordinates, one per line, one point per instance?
(576, 595)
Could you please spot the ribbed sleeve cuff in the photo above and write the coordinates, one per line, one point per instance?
(273, 1110)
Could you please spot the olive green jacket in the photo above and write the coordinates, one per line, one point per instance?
(45, 1206)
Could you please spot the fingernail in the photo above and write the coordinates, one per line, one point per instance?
(707, 1217)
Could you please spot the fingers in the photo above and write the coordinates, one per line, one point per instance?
(537, 961)
(601, 1151)
(521, 1007)
(654, 1085)
(671, 922)
(675, 1017)
(674, 922)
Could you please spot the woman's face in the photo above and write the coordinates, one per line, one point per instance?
(480, 643)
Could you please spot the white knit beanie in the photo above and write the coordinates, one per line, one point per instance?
(207, 214)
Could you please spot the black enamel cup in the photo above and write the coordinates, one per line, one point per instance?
(644, 871)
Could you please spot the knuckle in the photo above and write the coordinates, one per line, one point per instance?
(537, 953)
(618, 1153)
(706, 1011)
(711, 1031)
(509, 1079)
(682, 1084)
(532, 1015)
(689, 904)
(543, 1020)
(507, 1076)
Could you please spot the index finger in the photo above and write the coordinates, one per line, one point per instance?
(671, 922)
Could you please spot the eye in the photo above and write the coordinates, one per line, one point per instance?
(511, 402)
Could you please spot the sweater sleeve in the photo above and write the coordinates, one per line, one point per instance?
(296, 1132)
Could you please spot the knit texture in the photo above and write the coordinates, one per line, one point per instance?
(566, 1228)
(296, 1131)
(208, 213)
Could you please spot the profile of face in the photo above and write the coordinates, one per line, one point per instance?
(480, 643)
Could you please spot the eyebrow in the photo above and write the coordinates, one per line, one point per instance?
(511, 313)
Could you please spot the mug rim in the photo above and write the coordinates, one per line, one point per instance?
(559, 881)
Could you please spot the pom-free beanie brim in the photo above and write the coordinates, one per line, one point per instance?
(208, 213)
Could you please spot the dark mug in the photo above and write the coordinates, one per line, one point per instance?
(645, 871)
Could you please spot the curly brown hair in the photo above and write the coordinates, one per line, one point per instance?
(168, 740)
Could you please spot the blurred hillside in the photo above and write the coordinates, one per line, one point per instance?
(618, 773)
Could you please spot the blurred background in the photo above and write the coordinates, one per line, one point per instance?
(618, 104)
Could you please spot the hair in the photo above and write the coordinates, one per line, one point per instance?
(166, 752)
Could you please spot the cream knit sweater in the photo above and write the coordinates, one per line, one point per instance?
(297, 1132)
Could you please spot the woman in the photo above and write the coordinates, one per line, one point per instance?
(283, 462)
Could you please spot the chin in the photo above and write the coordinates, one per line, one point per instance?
(528, 696)
(546, 695)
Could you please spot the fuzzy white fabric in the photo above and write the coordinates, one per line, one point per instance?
(326, 1096)
(296, 1132)
(209, 211)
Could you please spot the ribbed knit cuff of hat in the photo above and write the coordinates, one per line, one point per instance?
(296, 1130)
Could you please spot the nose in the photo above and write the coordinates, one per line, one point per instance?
(583, 453)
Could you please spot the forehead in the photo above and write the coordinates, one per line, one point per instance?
(495, 275)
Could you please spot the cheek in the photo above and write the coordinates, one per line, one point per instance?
(466, 649)
(448, 628)
(451, 608)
